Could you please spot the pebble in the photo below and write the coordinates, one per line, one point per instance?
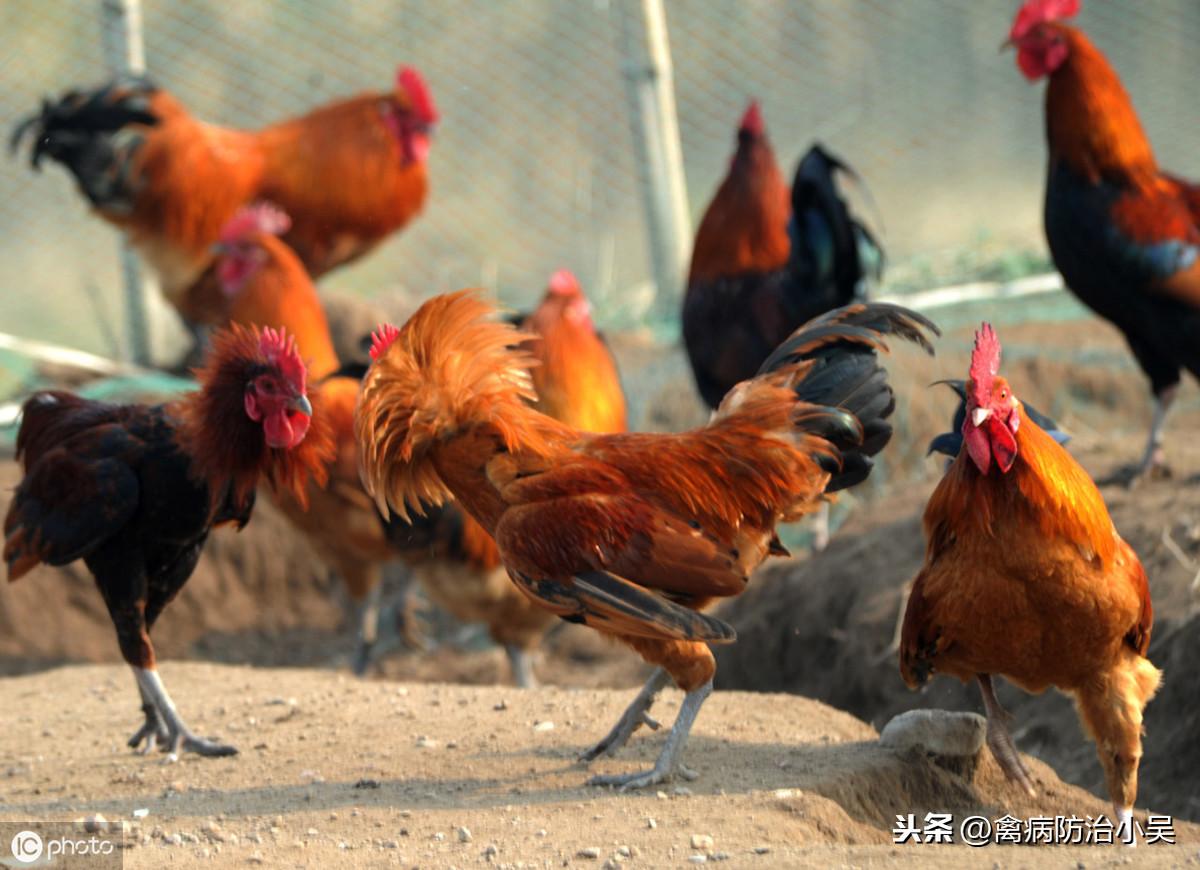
(681, 791)
(651, 824)
(464, 835)
(719, 856)
(439, 836)
(624, 851)
(490, 851)
(702, 841)
(94, 824)
(544, 726)
(698, 859)
(141, 813)
(591, 853)
(761, 850)
(256, 858)
(541, 832)
(424, 742)
(312, 832)
(500, 705)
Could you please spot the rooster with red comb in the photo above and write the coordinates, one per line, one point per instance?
(1026, 577)
(1124, 233)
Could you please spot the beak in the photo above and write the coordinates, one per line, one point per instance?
(979, 415)
(301, 404)
(1007, 44)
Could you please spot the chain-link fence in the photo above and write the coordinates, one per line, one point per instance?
(534, 165)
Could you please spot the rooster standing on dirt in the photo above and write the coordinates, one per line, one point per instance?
(1026, 576)
(630, 534)
(1124, 234)
(134, 491)
(349, 174)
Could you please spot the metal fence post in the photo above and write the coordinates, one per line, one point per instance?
(651, 91)
(121, 21)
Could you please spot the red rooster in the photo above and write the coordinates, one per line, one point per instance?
(133, 491)
(348, 174)
(1124, 233)
(1025, 576)
(630, 534)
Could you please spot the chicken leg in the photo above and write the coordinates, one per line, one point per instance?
(635, 716)
(1000, 741)
(178, 736)
(668, 763)
(153, 732)
(1154, 462)
(368, 629)
(520, 662)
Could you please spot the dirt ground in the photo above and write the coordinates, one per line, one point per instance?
(818, 628)
(338, 772)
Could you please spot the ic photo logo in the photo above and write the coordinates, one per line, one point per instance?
(26, 846)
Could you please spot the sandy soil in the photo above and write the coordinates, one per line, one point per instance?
(336, 772)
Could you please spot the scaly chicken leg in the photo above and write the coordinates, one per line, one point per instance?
(154, 731)
(635, 716)
(179, 736)
(1000, 741)
(668, 762)
(1154, 462)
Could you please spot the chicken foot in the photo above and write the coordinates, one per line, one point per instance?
(178, 736)
(1000, 741)
(669, 762)
(153, 732)
(1154, 463)
(368, 630)
(635, 716)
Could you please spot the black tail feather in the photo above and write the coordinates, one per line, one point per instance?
(845, 379)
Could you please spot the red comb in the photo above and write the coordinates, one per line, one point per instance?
(985, 358)
(381, 340)
(280, 350)
(752, 121)
(419, 96)
(1035, 12)
(261, 217)
(564, 283)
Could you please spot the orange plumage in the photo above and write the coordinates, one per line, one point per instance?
(1025, 576)
(629, 534)
(577, 381)
(349, 174)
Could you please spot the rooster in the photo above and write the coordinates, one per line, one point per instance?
(1025, 576)
(133, 491)
(1124, 234)
(767, 260)
(349, 174)
(630, 534)
(950, 443)
(576, 380)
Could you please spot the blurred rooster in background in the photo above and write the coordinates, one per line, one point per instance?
(576, 381)
(1124, 234)
(767, 260)
(1025, 576)
(348, 174)
(133, 491)
(630, 534)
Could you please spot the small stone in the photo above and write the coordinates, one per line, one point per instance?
(541, 832)
(464, 835)
(490, 851)
(500, 706)
(651, 823)
(940, 732)
(544, 726)
(173, 840)
(424, 742)
(141, 813)
(439, 836)
(312, 832)
(625, 851)
(702, 842)
(95, 824)
(698, 859)
(761, 850)
(719, 856)
(591, 853)
(681, 791)
(255, 858)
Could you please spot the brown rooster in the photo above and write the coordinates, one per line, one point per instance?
(630, 534)
(348, 174)
(1025, 576)
(1124, 232)
(133, 491)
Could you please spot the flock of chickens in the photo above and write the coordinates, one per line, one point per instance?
(492, 455)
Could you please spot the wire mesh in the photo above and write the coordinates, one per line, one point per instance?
(533, 165)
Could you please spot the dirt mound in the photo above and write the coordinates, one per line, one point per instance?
(345, 773)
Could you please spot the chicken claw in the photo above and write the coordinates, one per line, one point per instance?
(635, 716)
(152, 733)
(167, 719)
(1000, 741)
(669, 762)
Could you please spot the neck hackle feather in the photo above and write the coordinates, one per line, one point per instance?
(452, 368)
(227, 448)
